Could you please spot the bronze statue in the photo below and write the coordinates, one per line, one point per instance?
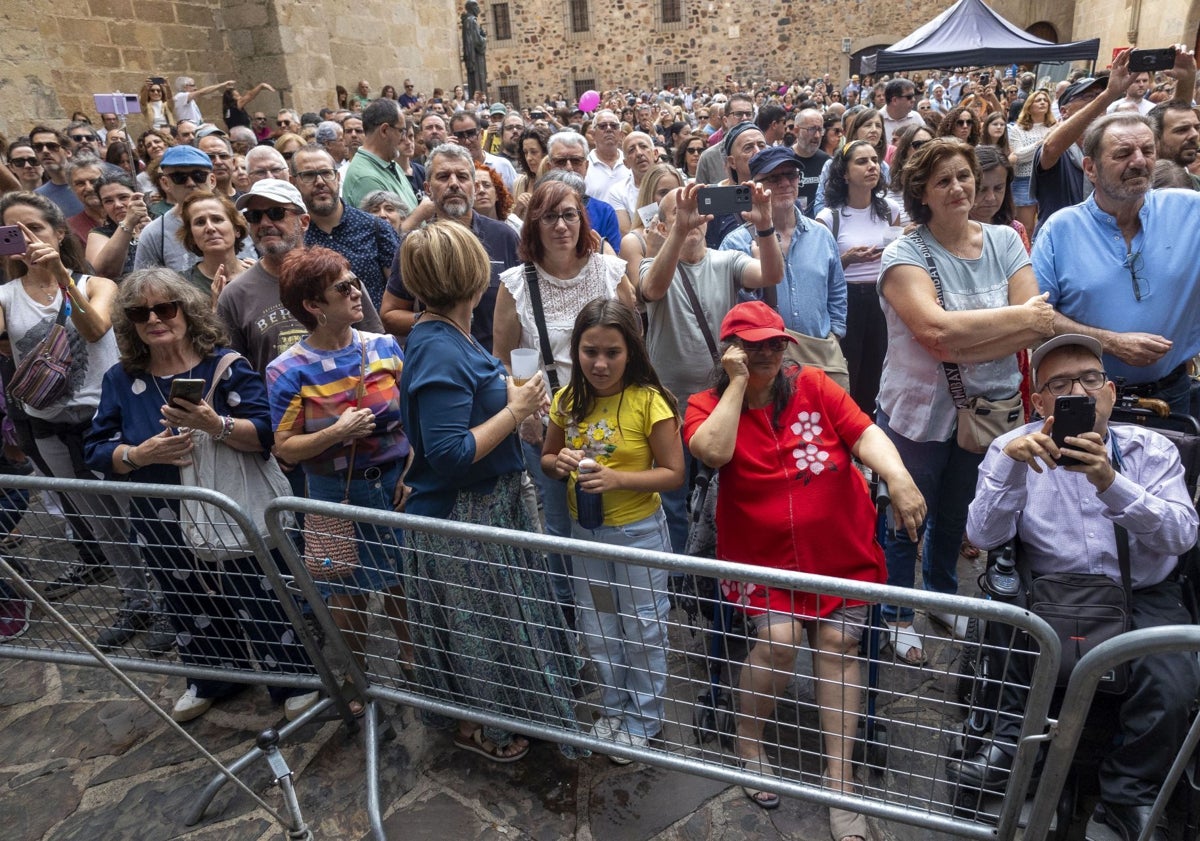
(474, 49)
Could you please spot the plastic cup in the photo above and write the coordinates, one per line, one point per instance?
(525, 363)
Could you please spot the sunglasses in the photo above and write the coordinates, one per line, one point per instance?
(769, 346)
(917, 144)
(469, 134)
(50, 146)
(83, 138)
(967, 123)
(608, 126)
(346, 287)
(22, 162)
(165, 312)
(275, 214)
(195, 176)
(695, 150)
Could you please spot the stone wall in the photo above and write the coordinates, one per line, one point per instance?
(54, 56)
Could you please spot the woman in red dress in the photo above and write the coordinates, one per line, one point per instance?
(790, 498)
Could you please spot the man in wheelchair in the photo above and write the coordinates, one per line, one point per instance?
(1066, 520)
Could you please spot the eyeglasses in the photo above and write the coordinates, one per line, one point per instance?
(769, 346)
(165, 312)
(346, 287)
(311, 176)
(967, 123)
(813, 129)
(1133, 262)
(572, 161)
(51, 146)
(1090, 380)
(83, 138)
(742, 115)
(275, 214)
(695, 150)
(195, 176)
(608, 126)
(269, 171)
(408, 87)
(22, 162)
(466, 134)
(551, 220)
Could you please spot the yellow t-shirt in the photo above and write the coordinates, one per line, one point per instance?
(616, 433)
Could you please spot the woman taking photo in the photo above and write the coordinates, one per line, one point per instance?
(861, 220)
(991, 310)
(486, 623)
(640, 241)
(166, 329)
(155, 99)
(111, 247)
(335, 406)
(791, 499)
(215, 232)
(233, 104)
(562, 258)
(49, 283)
(1024, 138)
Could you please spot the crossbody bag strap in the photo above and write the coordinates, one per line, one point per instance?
(689, 289)
(1123, 562)
(958, 392)
(359, 391)
(223, 365)
(539, 319)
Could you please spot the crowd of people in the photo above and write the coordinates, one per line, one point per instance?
(377, 267)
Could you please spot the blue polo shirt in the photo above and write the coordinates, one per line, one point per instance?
(1081, 259)
(367, 242)
(604, 222)
(500, 243)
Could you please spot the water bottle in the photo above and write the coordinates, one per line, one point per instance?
(589, 508)
(1003, 582)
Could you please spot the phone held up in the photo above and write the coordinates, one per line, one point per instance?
(184, 389)
(1074, 414)
(12, 241)
(1149, 61)
(722, 201)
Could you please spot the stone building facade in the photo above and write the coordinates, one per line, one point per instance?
(54, 56)
(558, 48)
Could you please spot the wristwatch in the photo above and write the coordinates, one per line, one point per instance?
(127, 461)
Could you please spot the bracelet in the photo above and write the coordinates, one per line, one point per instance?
(126, 228)
(226, 429)
(126, 460)
(516, 423)
(769, 232)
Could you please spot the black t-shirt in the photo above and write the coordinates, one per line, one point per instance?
(234, 116)
(810, 174)
(1062, 185)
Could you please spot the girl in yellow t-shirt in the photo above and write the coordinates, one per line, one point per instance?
(616, 413)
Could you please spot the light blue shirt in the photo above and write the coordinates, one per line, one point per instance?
(812, 295)
(1081, 259)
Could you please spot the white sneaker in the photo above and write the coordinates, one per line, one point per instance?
(189, 706)
(622, 737)
(606, 728)
(298, 705)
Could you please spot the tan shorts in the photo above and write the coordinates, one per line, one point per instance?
(852, 620)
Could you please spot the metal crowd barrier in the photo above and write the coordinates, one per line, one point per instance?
(901, 751)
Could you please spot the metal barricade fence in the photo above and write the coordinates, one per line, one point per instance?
(468, 585)
(1077, 701)
(122, 591)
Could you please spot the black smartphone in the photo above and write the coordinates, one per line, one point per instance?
(1074, 414)
(722, 201)
(184, 389)
(158, 80)
(1149, 61)
(12, 241)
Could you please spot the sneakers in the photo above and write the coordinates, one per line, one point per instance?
(606, 728)
(623, 737)
(298, 705)
(14, 618)
(190, 706)
(75, 578)
(124, 628)
(161, 637)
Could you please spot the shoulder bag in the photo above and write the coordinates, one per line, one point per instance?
(980, 420)
(539, 319)
(248, 479)
(42, 378)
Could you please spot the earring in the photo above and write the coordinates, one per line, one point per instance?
(322, 319)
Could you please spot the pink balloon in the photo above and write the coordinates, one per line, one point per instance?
(589, 101)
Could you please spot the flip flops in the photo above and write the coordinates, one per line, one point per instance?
(476, 743)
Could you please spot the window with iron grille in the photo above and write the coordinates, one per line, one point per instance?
(580, 15)
(501, 22)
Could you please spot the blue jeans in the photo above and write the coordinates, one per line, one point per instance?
(378, 547)
(558, 520)
(945, 474)
(622, 610)
(675, 506)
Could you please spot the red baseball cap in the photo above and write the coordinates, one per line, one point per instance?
(753, 321)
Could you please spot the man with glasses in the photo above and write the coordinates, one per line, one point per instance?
(408, 99)
(510, 136)
(809, 128)
(451, 185)
(1121, 267)
(182, 171)
(712, 168)
(84, 140)
(186, 107)
(287, 120)
(606, 163)
(220, 153)
(901, 97)
(493, 137)
(567, 150)
(53, 150)
(374, 165)
(1065, 518)
(367, 242)
(465, 131)
(260, 126)
(265, 162)
(260, 327)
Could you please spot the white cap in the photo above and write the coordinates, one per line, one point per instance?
(273, 189)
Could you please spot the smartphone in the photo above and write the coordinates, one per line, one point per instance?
(12, 241)
(1141, 61)
(158, 80)
(1074, 414)
(722, 201)
(184, 389)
